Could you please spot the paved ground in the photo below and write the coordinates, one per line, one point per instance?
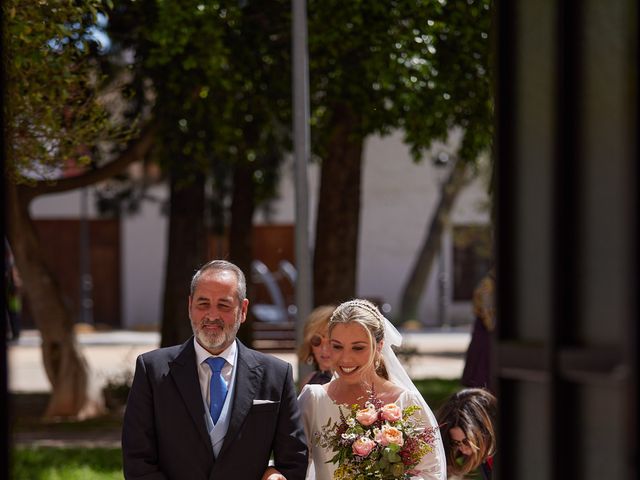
(437, 353)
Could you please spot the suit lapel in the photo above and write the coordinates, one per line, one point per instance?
(184, 373)
(248, 377)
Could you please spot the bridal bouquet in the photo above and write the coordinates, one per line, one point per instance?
(381, 442)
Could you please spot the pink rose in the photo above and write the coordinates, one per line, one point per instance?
(366, 416)
(389, 435)
(391, 412)
(363, 446)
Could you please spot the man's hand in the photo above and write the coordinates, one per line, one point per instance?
(272, 474)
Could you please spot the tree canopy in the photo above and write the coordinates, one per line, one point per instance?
(53, 107)
(217, 73)
(418, 65)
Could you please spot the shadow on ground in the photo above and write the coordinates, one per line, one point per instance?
(29, 429)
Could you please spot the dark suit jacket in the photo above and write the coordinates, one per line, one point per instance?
(164, 434)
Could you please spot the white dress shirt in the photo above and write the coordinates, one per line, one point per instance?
(204, 371)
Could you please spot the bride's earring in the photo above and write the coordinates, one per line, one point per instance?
(381, 368)
(310, 360)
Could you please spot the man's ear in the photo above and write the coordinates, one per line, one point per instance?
(244, 308)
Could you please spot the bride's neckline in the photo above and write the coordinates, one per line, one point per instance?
(397, 395)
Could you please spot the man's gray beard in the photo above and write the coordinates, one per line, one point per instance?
(225, 336)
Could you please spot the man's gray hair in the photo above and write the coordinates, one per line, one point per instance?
(222, 265)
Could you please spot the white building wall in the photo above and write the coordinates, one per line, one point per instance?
(144, 239)
(62, 206)
(399, 199)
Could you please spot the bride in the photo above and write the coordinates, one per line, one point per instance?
(364, 362)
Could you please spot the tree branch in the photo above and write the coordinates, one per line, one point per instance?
(135, 151)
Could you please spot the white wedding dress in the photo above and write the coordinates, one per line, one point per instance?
(317, 407)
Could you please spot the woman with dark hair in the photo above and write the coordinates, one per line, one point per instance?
(467, 427)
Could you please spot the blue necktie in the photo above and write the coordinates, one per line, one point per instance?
(217, 387)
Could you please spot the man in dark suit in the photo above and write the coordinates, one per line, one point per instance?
(170, 429)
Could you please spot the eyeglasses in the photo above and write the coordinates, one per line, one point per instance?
(459, 443)
(316, 340)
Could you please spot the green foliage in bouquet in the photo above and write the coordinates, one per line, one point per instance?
(379, 441)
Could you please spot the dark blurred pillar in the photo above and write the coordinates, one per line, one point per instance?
(566, 361)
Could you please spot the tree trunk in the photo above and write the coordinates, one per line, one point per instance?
(185, 254)
(241, 234)
(64, 363)
(337, 226)
(415, 285)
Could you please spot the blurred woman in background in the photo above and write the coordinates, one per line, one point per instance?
(315, 347)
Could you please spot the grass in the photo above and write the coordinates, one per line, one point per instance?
(436, 390)
(51, 463)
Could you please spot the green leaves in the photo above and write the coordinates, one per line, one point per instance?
(390, 453)
(220, 81)
(418, 65)
(54, 111)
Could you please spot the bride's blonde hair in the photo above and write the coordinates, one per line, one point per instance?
(367, 315)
